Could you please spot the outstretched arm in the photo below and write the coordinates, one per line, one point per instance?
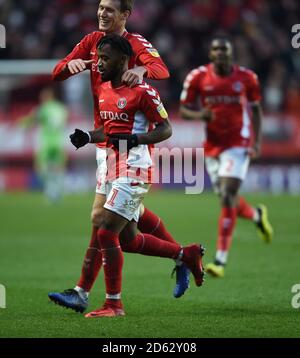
(80, 138)
(75, 62)
(205, 114)
(162, 131)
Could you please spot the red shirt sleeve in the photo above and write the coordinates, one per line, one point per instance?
(151, 105)
(253, 87)
(191, 89)
(148, 56)
(81, 50)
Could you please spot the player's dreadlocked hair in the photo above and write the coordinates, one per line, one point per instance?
(117, 42)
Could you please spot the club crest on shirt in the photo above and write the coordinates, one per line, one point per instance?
(122, 103)
(237, 86)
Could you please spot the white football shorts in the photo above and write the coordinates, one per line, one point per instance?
(101, 170)
(124, 196)
(232, 163)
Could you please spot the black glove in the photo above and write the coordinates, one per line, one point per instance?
(131, 139)
(79, 138)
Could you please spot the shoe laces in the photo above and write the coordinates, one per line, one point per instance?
(70, 291)
(173, 271)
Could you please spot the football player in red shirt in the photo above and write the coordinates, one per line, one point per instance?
(229, 96)
(126, 185)
(146, 62)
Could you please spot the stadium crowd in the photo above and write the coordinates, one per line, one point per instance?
(181, 29)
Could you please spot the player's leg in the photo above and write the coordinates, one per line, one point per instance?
(149, 244)
(232, 167)
(40, 168)
(112, 256)
(54, 181)
(123, 201)
(258, 215)
(150, 223)
(77, 297)
(119, 210)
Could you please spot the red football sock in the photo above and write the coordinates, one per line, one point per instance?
(150, 223)
(226, 225)
(149, 245)
(91, 264)
(112, 257)
(244, 209)
(114, 303)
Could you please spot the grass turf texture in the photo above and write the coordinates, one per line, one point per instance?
(42, 248)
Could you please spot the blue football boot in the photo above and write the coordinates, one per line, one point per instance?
(70, 299)
(182, 280)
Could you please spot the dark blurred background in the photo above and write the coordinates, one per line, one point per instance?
(181, 30)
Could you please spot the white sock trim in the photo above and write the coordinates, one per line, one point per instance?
(178, 260)
(113, 297)
(221, 256)
(112, 248)
(256, 216)
(82, 293)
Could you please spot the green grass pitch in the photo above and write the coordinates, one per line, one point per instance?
(42, 247)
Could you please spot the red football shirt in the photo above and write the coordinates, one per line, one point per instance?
(130, 111)
(228, 97)
(144, 55)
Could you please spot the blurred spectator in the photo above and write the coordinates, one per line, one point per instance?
(50, 159)
(181, 29)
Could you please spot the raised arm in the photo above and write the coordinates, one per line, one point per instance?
(76, 61)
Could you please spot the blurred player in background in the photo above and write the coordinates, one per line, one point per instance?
(50, 159)
(129, 170)
(146, 62)
(227, 92)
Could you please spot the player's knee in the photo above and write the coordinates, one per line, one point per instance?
(142, 209)
(227, 197)
(97, 217)
(129, 243)
(108, 225)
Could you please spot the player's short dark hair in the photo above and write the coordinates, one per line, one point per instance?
(117, 42)
(126, 5)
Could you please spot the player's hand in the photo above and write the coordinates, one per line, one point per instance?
(79, 138)
(78, 65)
(123, 141)
(254, 152)
(206, 115)
(133, 76)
